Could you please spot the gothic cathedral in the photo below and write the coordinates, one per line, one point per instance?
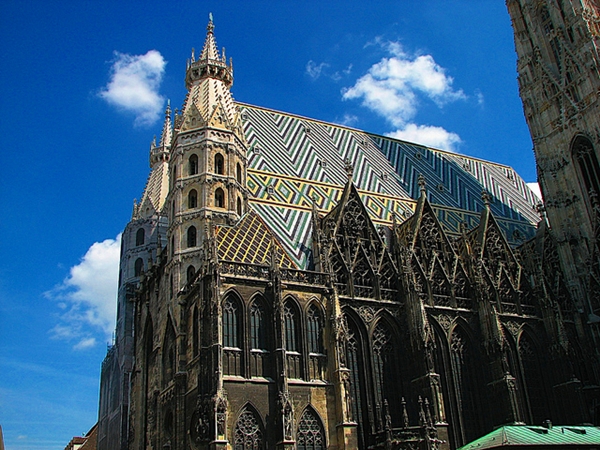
(287, 283)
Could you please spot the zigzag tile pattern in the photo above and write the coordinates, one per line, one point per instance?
(295, 161)
(250, 241)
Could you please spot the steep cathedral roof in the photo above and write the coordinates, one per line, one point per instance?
(157, 185)
(294, 161)
(208, 79)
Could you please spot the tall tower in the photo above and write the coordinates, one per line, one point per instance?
(208, 163)
(141, 244)
(559, 80)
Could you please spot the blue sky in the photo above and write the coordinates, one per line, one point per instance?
(82, 90)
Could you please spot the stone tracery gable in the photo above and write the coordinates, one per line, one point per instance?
(491, 252)
(360, 261)
(434, 258)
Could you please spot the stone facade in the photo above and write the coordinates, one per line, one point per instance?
(559, 80)
(254, 323)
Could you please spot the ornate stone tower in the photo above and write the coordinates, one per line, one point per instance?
(141, 244)
(208, 164)
(559, 79)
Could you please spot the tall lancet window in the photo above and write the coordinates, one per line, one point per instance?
(292, 340)
(534, 379)
(587, 163)
(465, 384)
(232, 351)
(259, 352)
(314, 331)
(385, 373)
(357, 385)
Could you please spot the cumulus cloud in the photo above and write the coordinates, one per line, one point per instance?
(314, 70)
(87, 297)
(432, 136)
(134, 84)
(394, 87)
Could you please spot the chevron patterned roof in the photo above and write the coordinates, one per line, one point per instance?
(250, 241)
(293, 161)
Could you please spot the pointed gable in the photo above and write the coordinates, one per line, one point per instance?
(360, 261)
(434, 258)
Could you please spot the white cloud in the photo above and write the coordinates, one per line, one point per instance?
(431, 136)
(535, 188)
(314, 70)
(88, 296)
(348, 120)
(134, 84)
(394, 87)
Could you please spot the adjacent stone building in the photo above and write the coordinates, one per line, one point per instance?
(289, 283)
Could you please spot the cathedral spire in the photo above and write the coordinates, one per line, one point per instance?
(167, 131)
(209, 64)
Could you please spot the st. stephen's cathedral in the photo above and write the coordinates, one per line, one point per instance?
(287, 283)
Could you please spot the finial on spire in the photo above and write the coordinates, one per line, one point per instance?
(485, 196)
(210, 27)
(421, 182)
(349, 168)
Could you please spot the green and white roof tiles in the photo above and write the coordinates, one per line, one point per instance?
(518, 436)
(293, 161)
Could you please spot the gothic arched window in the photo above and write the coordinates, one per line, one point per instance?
(191, 271)
(193, 165)
(239, 206)
(385, 369)
(248, 434)
(292, 339)
(310, 434)
(355, 362)
(314, 334)
(465, 383)
(140, 236)
(291, 328)
(534, 379)
(259, 346)
(219, 198)
(191, 237)
(195, 332)
(232, 344)
(589, 169)
(168, 355)
(219, 164)
(238, 173)
(138, 267)
(258, 339)
(314, 328)
(193, 199)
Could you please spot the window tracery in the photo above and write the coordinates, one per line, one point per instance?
(248, 433)
(232, 352)
(310, 435)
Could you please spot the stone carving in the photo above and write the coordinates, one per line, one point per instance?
(445, 321)
(287, 416)
(367, 313)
